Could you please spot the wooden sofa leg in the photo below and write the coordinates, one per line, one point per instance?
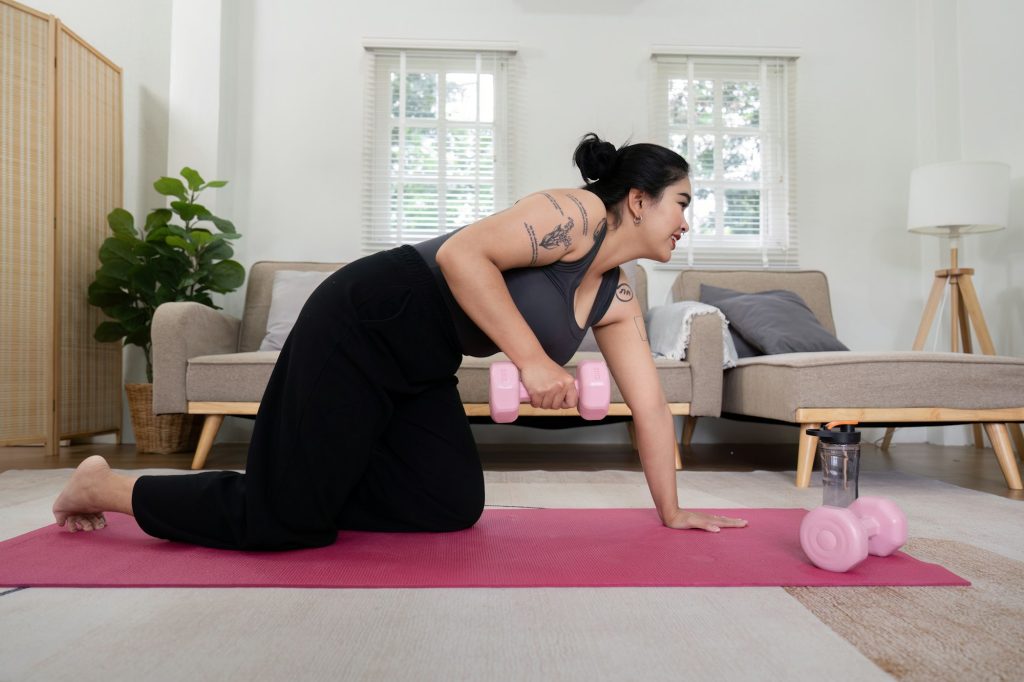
(689, 424)
(1000, 438)
(805, 456)
(1018, 438)
(887, 440)
(211, 425)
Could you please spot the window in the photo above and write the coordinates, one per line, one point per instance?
(732, 119)
(438, 142)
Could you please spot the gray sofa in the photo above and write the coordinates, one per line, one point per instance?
(887, 388)
(206, 362)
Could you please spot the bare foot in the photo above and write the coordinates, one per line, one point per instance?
(81, 504)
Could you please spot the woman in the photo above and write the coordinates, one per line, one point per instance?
(361, 426)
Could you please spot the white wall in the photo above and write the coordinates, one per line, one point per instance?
(585, 68)
(883, 86)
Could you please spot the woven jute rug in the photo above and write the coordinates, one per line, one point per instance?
(919, 633)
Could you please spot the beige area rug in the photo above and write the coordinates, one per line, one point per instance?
(552, 634)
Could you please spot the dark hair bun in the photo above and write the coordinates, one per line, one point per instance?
(594, 157)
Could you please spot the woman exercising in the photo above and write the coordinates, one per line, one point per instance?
(361, 426)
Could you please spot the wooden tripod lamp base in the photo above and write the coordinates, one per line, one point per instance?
(964, 312)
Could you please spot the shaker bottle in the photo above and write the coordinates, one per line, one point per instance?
(839, 451)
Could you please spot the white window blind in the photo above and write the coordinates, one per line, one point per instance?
(731, 117)
(438, 141)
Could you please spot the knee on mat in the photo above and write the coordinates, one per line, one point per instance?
(467, 513)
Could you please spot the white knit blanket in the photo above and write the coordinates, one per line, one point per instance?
(668, 330)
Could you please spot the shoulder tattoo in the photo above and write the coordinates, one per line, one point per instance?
(559, 236)
(583, 212)
(641, 328)
(533, 242)
(554, 203)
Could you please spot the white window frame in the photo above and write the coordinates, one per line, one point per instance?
(776, 244)
(380, 230)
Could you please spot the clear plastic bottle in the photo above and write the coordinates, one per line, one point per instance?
(839, 452)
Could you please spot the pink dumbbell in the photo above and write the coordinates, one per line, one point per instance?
(592, 385)
(839, 538)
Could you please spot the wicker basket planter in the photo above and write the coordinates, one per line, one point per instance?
(161, 434)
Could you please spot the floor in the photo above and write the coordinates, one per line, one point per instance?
(964, 466)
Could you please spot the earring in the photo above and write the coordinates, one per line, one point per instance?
(637, 219)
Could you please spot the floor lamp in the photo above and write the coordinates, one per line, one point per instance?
(951, 200)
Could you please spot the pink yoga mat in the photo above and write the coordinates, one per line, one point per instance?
(506, 548)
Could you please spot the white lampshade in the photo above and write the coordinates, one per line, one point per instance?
(959, 197)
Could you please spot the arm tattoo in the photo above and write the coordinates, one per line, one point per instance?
(576, 201)
(624, 293)
(533, 242)
(559, 236)
(553, 202)
(640, 328)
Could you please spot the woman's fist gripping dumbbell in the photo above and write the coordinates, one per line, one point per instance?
(506, 392)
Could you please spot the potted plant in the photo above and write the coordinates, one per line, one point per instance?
(173, 257)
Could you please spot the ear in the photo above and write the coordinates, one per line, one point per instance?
(636, 200)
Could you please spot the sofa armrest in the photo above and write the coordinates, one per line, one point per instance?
(705, 356)
(184, 330)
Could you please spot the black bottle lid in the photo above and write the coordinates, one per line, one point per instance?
(843, 434)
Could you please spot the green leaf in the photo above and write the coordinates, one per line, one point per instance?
(200, 237)
(226, 276)
(218, 250)
(130, 317)
(214, 183)
(171, 187)
(122, 223)
(114, 249)
(139, 337)
(181, 243)
(104, 297)
(118, 270)
(157, 218)
(195, 181)
(188, 211)
(109, 331)
(223, 225)
(144, 281)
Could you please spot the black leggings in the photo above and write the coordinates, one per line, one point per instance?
(361, 426)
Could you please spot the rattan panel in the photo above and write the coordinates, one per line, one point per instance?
(26, 225)
(89, 160)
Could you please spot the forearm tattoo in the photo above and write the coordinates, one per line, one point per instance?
(624, 293)
(553, 203)
(533, 242)
(583, 211)
(559, 236)
(641, 328)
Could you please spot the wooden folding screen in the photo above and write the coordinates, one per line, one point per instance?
(61, 172)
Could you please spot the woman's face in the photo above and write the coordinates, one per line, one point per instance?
(664, 221)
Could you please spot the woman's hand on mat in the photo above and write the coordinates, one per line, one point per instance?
(683, 519)
(548, 385)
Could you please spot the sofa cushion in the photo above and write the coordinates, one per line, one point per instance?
(291, 289)
(474, 378)
(231, 377)
(772, 321)
(775, 386)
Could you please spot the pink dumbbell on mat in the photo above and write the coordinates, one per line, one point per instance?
(592, 385)
(839, 538)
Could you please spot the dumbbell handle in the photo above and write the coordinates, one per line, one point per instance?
(524, 397)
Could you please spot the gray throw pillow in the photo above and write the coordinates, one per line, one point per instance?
(771, 322)
(291, 289)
